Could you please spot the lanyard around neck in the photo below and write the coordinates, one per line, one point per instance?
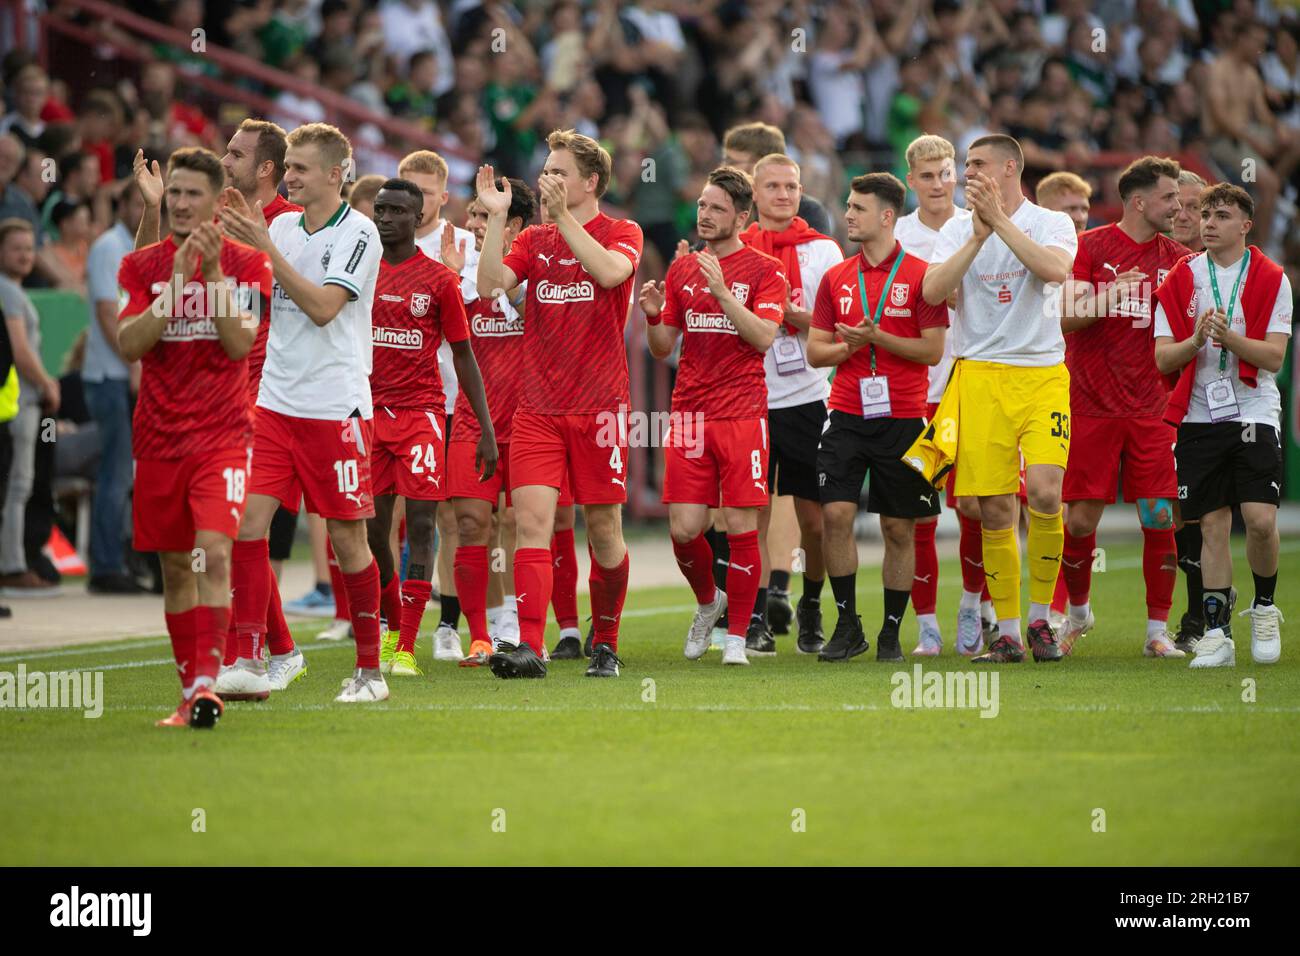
(1218, 302)
(880, 304)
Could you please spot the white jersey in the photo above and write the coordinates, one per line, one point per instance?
(1004, 312)
(431, 246)
(808, 384)
(316, 371)
(918, 239)
(1262, 404)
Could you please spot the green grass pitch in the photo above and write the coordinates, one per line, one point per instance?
(788, 761)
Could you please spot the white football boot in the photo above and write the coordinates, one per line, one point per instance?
(339, 630)
(285, 669)
(446, 644)
(700, 636)
(364, 687)
(970, 632)
(930, 641)
(734, 651)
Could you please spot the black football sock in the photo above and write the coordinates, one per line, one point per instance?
(450, 612)
(895, 608)
(812, 589)
(760, 607)
(844, 588)
(1188, 541)
(1264, 588)
(780, 582)
(721, 556)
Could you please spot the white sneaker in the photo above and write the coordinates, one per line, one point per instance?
(361, 689)
(243, 680)
(1161, 645)
(734, 651)
(1265, 635)
(340, 630)
(700, 636)
(1072, 630)
(718, 637)
(446, 644)
(970, 632)
(930, 642)
(286, 669)
(1215, 649)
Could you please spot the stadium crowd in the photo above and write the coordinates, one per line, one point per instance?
(658, 83)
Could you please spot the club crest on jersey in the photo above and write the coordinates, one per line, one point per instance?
(325, 260)
(898, 293)
(741, 291)
(1161, 274)
(420, 303)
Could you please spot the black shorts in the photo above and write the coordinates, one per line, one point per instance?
(1225, 464)
(854, 446)
(792, 464)
(284, 524)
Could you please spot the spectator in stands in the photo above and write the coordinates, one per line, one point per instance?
(31, 89)
(78, 180)
(412, 98)
(38, 395)
(98, 122)
(414, 25)
(71, 220)
(847, 42)
(16, 202)
(184, 123)
(294, 109)
(1068, 193)
(108, 383)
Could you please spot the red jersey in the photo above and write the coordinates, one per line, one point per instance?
(720, 374)
(257, 356)
(417, 304)
(193, 397)
(574, 357)
(1112, 362)
(497, 334)
(905, 313)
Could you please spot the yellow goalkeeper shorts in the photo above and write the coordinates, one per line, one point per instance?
(1007, 411)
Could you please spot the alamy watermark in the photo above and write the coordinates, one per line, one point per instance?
(956, 690)
(71, 690)
(635, 429)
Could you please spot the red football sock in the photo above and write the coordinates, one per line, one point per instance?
(1076, 565)
(925, 580)
(250, 577)
(209, 640)
(971, 548)
(533, 581)
(1062, 593)
(363, 604)
(742, 584)
(1160, 569)
(232, 640)
(695, 559)
(277, 628)
(181, 629)
(608, 591)
(415, 595)
(564, 562)
(390, 603)
(471, 572)
(337, 584)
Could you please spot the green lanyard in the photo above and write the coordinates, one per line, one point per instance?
(880, 305)
(1218, 303)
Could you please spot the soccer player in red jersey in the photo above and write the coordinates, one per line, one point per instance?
(417, 303)
(496, 328)
(727, 300)
(193, 302)
(1118, 397)
(571, 418)
(871, 324)
(313, 423)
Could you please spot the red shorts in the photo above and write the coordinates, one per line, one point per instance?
(175, 497)
(463, 477)
(325, 460)
(590, 449)
(409, 454)
(724, 461)
(1098, 445)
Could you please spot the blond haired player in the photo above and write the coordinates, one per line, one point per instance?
(1068, 193)
(1006, 264)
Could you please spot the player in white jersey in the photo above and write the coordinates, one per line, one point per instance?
(1006, 264)
(312, 430)
(457, 249)
(796, 392)
(932, 175)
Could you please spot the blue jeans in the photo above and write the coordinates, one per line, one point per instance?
(109, 403)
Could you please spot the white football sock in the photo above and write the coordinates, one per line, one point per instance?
(970, 600)
(1079, 612)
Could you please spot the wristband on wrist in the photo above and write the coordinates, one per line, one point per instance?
(653, 319)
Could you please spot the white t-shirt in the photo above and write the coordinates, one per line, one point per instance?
(1262, 404)
(1004, 312)
(316, 371)
(810, 384)
(431, 246)
(918, 239)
